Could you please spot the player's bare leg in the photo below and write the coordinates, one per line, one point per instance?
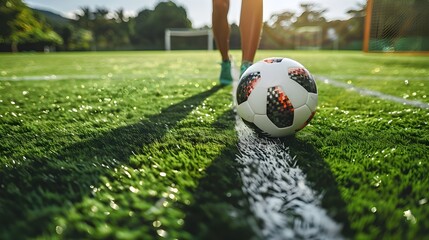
(221, 32)
(221, 28)
(250, 30)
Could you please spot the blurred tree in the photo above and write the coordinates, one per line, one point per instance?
(278, 31)
(107, 33)
(149, 25)
(66, 33)
(311, 15)
(103, 29)
(81, 39)
(352, 32)
(85, 18)
(19, 26)
(235, 38)
(58, 23)
(122, 28)
(281, 28)
(139, 26)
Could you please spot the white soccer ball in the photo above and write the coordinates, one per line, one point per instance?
(277, 96)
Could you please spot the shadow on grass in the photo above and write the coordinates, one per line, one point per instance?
(220, 192)
(321, 179)
(44, 187)
(220, 209)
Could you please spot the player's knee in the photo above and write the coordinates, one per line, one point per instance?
(221, 5)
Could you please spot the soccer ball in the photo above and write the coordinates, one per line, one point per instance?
(276, 97)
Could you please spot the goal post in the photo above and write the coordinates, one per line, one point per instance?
(397, 26)
(186, 32)
(308, 38)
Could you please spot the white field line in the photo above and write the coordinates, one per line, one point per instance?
(377, 94)
(374, 77)
(83, 77)
(50, 77)
(277, 190)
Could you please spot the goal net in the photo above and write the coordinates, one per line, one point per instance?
(195, 38)
(308, 38)
(397, 26)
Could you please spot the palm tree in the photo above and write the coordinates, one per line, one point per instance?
(101, 13)
(85, 18)
(120, 16)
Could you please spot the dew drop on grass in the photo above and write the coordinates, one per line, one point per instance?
(175, 190)
(172, 196)
(127, 173)
(161, 233)
(108, 186)
(377, 181)
(376, 70)
(410, 217)
(113, 205)
(157, 224)
(94, 209)
(133, 189)
(59, 230)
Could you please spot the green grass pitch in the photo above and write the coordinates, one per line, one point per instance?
(142, 145)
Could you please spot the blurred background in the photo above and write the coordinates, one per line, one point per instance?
(45, 25)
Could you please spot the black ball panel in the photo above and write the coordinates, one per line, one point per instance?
(303, 78)
(279, 108)
(246, 86)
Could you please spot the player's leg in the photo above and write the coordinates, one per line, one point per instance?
(250, 30)
(220, 25)
(221, 32)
